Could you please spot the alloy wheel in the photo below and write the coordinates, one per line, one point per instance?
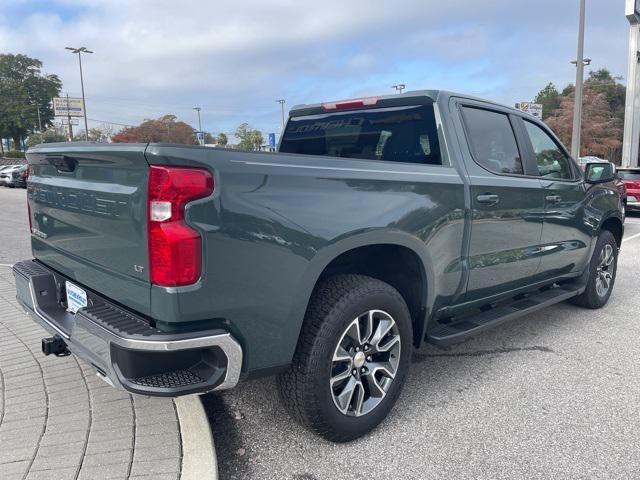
(365, 363)
(604, 272)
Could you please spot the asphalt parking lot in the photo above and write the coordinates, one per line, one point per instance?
(553, 395)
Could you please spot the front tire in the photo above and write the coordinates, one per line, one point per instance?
(602, 273)
(352, 358)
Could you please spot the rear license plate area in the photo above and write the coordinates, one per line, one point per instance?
(76, 297)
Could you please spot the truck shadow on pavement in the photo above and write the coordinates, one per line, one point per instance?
(240, 417)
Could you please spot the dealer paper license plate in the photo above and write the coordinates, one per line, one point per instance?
(76, 298)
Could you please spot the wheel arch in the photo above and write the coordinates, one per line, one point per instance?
(374, 255)
(614, 225)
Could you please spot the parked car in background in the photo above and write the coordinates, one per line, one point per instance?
(5, 174)
(17, 177)
(631, 179)
(620, 184)
(7, 167)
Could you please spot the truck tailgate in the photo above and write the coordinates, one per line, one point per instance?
(88, 217)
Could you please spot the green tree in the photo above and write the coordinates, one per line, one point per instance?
(549, 98)
(257, 139)
(222, 139)
(250, 138)
(25, 91)
(243, 132)
(100, 134)
(50, 135)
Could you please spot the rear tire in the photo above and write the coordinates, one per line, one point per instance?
(602, 273)
(352, 358)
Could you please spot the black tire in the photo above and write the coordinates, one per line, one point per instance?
(305, 386)
(591, 298)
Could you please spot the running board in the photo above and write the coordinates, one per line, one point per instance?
(443, 334)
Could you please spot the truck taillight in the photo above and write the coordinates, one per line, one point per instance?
(175, 248)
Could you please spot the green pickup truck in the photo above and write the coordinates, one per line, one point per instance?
(381, 223)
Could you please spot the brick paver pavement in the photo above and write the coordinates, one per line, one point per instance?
(58, 420)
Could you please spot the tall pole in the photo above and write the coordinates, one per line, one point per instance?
(39, 119)
(282, 102)
(577, 108)
(80, 51)
(69, 120)
(84, 105)
(399, 87)
(631, 139)
(201, 139)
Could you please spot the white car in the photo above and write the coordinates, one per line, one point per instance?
(5, 173)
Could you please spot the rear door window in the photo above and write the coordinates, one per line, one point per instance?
(394, 134)
(492, 141)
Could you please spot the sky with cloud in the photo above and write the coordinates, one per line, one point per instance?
(234, 58)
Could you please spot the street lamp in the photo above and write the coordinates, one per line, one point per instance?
(80, 51)
(282, 101)
(585, 62)
(577, 108)
(201, 139)
(399, 87)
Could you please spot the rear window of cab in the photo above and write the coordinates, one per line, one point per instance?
(394, 134)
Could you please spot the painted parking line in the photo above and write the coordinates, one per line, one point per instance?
(631, 237)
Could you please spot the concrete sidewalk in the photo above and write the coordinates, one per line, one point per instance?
(58, 420)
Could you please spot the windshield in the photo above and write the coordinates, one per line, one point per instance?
(396, 134)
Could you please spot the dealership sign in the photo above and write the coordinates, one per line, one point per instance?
(68, 107)
(534, 109)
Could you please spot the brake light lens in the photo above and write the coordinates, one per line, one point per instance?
(353, 103)
(175, 248)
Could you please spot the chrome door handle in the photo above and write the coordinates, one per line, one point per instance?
(553, 198)
(488, 199)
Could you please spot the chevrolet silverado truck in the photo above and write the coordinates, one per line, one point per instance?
(381, 223)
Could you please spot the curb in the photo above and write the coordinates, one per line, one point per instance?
(198, 450)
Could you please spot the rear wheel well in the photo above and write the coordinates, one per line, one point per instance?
(396, 265)
(614, 225)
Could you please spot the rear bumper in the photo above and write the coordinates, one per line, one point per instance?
(125, 350)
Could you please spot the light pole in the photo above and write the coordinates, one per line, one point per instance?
(201, 139)
(80, 51)
(577, 107)
(39, 119)
(282, 101)
(399, 87)
(69, 120)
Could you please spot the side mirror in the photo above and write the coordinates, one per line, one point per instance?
(599, 172)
